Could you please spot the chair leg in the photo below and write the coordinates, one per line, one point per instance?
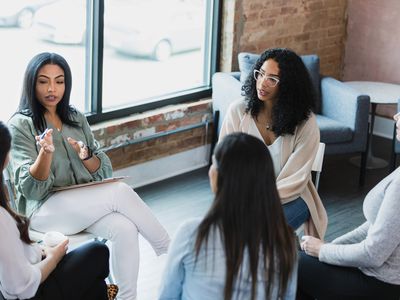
(317, 180)
(393, 156)
(215, 134)
(363, 168)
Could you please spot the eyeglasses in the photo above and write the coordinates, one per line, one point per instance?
(270, 80)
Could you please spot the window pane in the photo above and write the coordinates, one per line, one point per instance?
(28, 27)
(153, 48)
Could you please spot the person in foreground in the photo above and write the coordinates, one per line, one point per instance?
(363, 263)
(243, 247)
(277, 109)
(53, 146)
(29, 271)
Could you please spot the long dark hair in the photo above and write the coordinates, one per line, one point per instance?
(248, 212)
(296, 97)
(22, 222)
(30, 106)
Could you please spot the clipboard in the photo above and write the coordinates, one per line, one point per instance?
(76, 186)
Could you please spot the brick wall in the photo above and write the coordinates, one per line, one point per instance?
(306, 26)
(144, 137)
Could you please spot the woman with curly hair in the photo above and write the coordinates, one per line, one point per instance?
(277, 109)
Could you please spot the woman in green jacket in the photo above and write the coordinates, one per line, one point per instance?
(53, 146)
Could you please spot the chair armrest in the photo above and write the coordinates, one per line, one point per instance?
(226, 88)
(343, 103)
(396, 142)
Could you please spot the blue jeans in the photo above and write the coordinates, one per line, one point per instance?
(296, 212)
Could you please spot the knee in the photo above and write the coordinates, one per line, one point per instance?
(95, 255)
(122, 228)
(122, 187)
(125, 194)
(100, 249)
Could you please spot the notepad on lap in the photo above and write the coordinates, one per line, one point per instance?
(75, 186)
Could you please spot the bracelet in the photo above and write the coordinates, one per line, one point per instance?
(90, 154)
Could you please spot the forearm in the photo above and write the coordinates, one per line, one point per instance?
(354, 236)
(40, 169)
(46, 266)
(92, 164)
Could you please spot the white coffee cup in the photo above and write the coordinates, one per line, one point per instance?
(53, 238)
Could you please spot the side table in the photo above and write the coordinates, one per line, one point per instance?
(379, 93)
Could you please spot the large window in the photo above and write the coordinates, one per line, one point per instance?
(126, 56)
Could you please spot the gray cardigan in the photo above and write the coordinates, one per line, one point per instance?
(374, 247)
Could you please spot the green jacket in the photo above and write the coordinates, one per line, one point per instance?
(66, 167)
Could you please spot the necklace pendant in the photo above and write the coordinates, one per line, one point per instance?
(268, 127)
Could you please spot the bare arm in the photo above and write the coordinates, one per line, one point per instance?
(53, 257)
(40, 169)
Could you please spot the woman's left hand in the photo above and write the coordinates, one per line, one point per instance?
(80, 148)
(311, 245)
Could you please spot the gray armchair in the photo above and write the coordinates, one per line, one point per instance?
(342, 112)
(396, 144)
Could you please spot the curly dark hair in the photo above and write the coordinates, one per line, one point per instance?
(30, 106)
(296, 97)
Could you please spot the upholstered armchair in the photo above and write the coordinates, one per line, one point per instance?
(342, 112)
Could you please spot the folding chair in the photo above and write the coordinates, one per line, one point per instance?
(36, 236)
(317, 165)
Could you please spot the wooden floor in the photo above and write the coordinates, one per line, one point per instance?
(188, 196)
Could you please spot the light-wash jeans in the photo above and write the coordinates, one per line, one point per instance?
(113, 211)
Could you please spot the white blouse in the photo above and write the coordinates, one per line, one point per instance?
(275, 150)
(19, 276)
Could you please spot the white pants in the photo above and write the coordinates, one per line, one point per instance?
(112, 211)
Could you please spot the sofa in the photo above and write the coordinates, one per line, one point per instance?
(342, 112)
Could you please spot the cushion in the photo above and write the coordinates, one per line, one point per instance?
(247, 60)
(333, 132)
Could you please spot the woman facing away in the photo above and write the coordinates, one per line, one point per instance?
(53, 146)
(363, 263)
(277, 109)
(243, 247)
(29, 271)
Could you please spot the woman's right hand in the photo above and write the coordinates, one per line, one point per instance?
(45, 141)
(57, 253)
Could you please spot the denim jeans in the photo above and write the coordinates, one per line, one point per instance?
(296, 212)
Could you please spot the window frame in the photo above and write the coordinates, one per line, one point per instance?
(94, 68)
